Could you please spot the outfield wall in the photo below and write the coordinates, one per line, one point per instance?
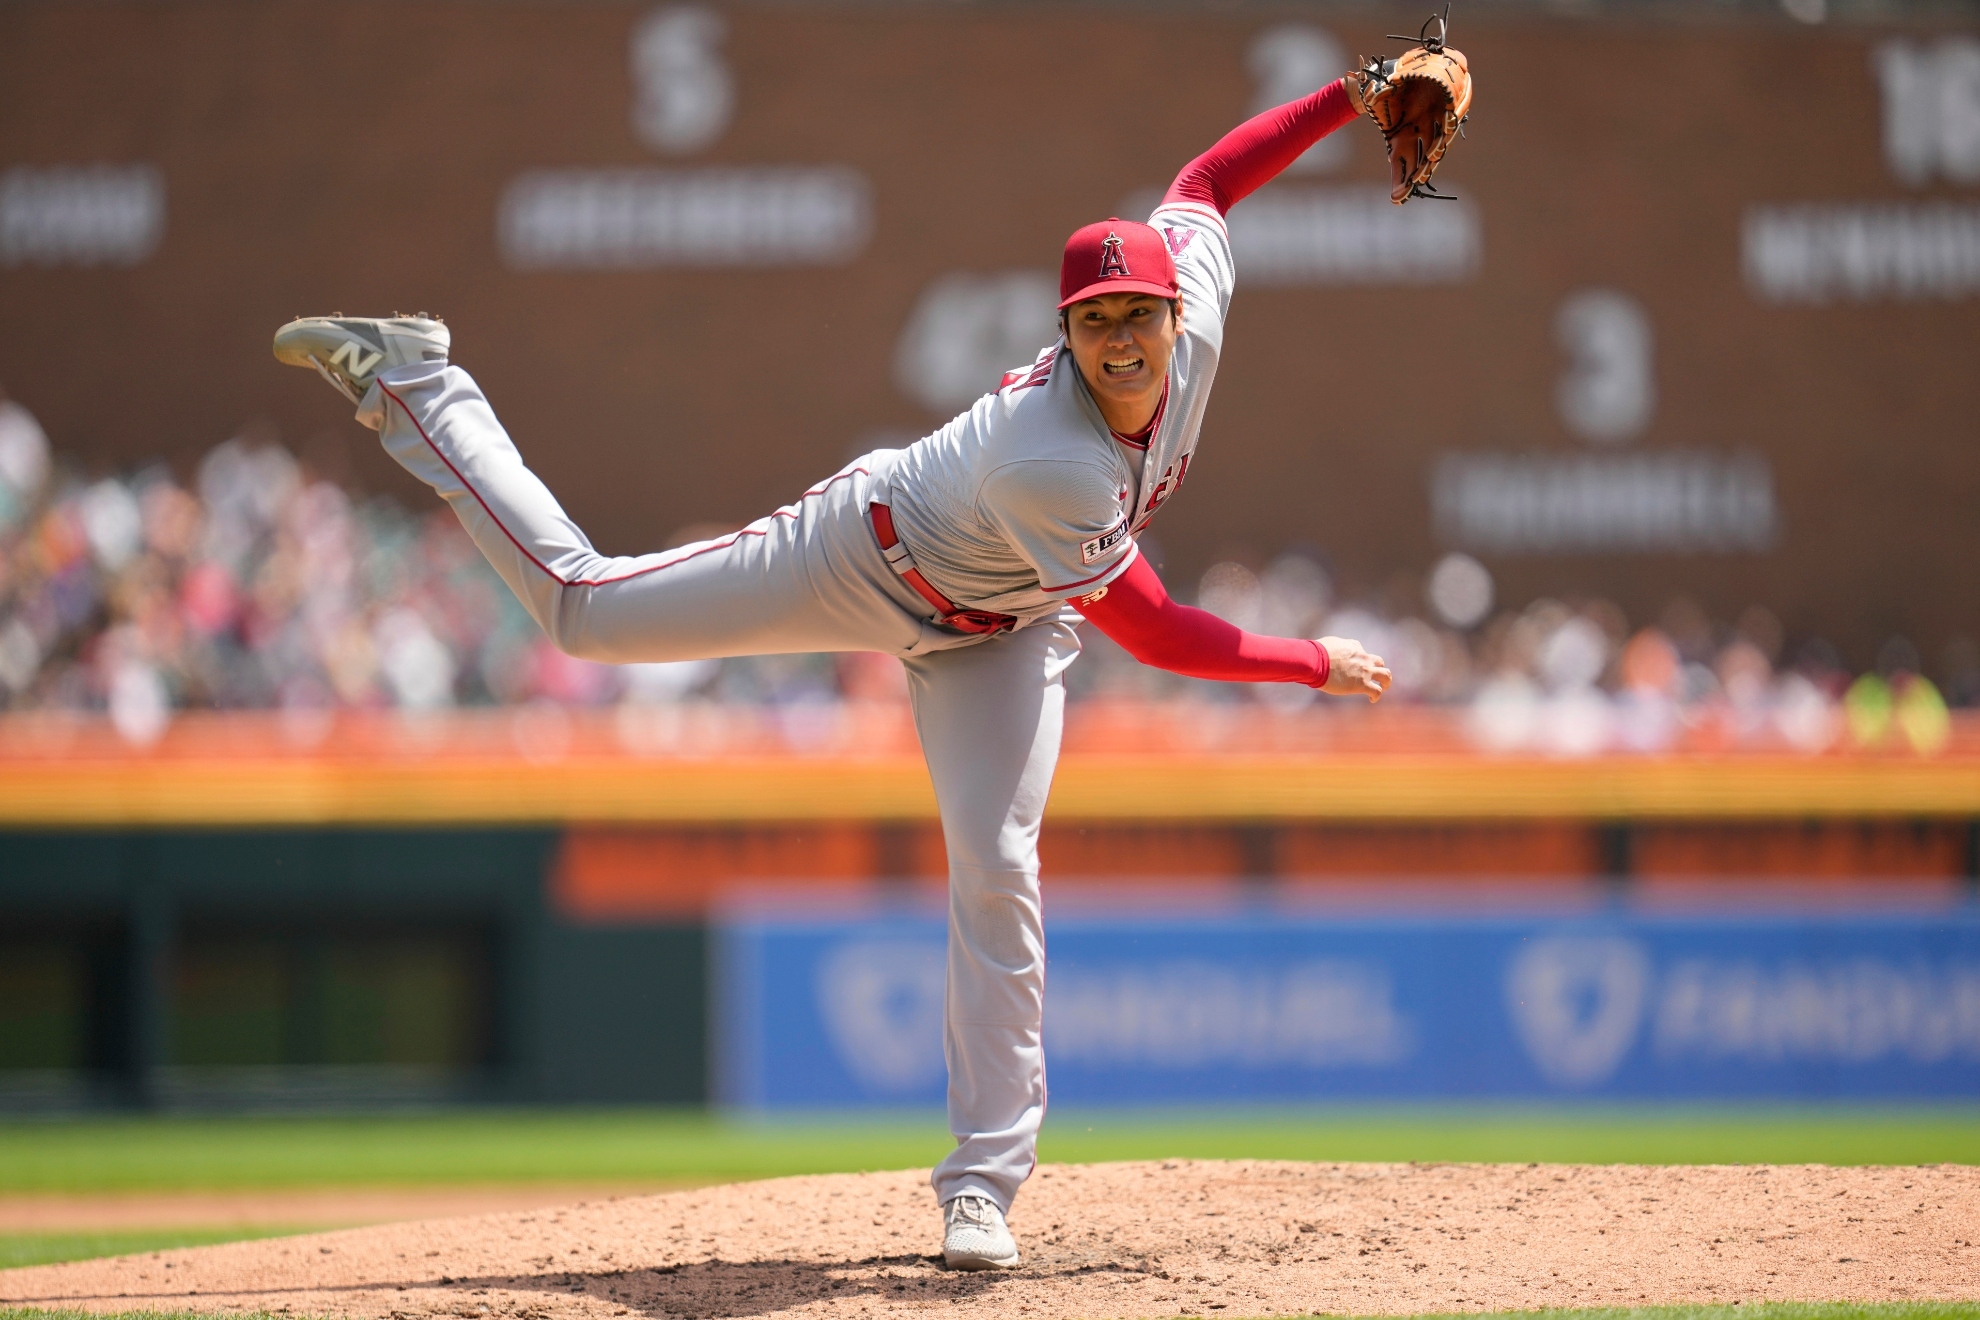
(363, 966)
(416, 910)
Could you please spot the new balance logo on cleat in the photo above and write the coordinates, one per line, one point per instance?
(349, 352)
(346, 357)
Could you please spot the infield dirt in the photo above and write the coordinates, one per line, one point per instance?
(1116, 1240)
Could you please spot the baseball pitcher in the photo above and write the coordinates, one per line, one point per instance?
(974, 555)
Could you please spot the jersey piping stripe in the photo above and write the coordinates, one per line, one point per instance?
(547, 571)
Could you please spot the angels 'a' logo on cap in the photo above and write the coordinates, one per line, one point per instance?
(1112, 260)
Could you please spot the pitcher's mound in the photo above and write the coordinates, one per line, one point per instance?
(1179, 1237)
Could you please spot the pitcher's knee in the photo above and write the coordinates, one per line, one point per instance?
(583, 640)
(584, 648)
(1012, 851)
(990, 887)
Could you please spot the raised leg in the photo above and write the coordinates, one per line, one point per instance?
(807, 578)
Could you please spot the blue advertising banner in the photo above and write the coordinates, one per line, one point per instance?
(1300, 1006)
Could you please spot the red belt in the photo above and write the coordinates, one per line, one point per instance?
(949, 615)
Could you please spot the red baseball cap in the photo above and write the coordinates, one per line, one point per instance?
(1115, 256)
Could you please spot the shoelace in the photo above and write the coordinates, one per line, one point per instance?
(336, 380)
(972, 1210)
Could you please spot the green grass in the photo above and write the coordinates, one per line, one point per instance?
(678, 1146)
(1758, 1311)
(48, 1248)
(459, 1147)
(1608, 1135)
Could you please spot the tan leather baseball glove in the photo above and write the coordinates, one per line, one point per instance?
(1419, 102)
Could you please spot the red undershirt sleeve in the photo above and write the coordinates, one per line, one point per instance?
(1252, 154)
(1136, 611)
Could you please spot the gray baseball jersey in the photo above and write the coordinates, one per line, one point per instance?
(1029, 498)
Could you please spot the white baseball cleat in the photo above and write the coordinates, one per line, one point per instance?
(350, 351)
(975, 1236)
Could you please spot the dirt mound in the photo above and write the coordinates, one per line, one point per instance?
(1180, 1237)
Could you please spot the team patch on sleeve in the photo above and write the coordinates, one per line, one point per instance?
(1092, 552)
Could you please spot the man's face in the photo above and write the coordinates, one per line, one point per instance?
(1123, 343)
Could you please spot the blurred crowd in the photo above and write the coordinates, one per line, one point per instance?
(1577, 679)
(258, 585)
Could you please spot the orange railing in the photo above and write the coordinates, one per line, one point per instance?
(860, 761)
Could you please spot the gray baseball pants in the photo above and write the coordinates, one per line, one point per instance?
(810, 577)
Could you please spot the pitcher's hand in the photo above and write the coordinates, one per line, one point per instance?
(1353, 672)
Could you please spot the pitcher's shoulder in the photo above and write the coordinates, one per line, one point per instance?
(1041, 422)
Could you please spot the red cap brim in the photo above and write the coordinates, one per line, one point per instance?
(1099, 287)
